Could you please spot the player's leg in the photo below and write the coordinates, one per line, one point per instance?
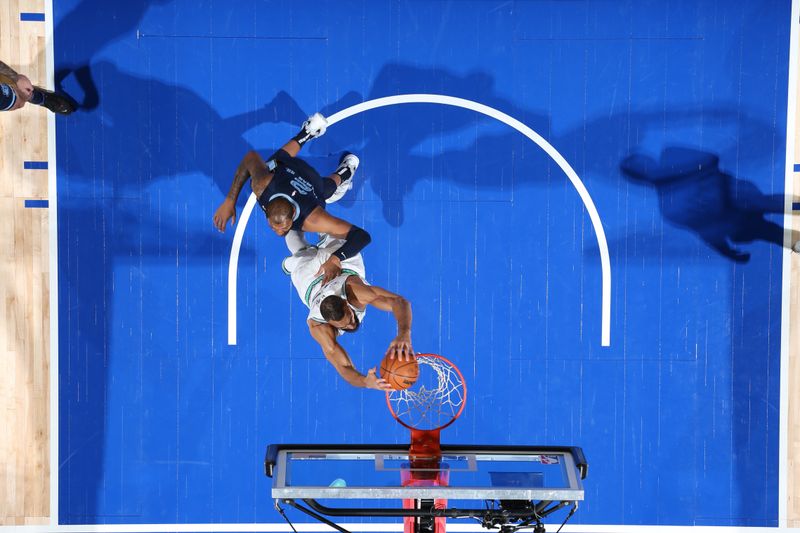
(303, 267)
(296, 241)
(329, 185)
(341, 181)
(302, 253)
(57, 103)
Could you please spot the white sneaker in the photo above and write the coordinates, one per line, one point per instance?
(350, 162)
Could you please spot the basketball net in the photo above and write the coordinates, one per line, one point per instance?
(434, 402)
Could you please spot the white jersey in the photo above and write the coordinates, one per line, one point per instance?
(303, 267)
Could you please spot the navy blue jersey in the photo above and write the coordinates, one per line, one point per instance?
(295, 180)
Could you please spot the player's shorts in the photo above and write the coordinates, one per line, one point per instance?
(304, 265)
(7, 97)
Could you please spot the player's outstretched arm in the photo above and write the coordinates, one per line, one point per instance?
(356, 239)
(720, 244)
(388, 301)
(312, 128)
(325, 335)
(251, 166)
(8, 72)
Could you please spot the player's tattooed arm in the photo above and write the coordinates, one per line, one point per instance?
(8, 72)
(252, 167)
(325, 335)
(239, 179)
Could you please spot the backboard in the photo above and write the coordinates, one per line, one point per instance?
(526, 483)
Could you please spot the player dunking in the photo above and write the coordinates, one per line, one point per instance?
(293, 195)
(339, 305)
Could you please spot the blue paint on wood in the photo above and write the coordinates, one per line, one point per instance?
(31, 17)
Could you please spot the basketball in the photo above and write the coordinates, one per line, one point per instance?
(400, 374)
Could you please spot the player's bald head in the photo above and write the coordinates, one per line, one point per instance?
(279, 210)
(280, 215)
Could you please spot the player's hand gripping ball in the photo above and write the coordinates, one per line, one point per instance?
(399, 373)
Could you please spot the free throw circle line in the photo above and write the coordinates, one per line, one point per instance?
(594, 216)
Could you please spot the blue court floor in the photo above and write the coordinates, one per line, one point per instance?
(672, 116)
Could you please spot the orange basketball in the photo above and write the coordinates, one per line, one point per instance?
(399, 373)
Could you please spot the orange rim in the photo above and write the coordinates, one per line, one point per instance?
(455, 416)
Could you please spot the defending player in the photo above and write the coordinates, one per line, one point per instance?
(293, 195)
(339, 305)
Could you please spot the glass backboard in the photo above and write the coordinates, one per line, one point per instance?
(459, 473)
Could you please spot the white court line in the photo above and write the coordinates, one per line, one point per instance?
(233, 266)
(605, 336)
(52, 214)
(783, 438)
(358, 527)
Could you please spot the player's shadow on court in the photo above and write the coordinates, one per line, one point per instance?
(173, 132)
(696, 195)
(110, 248)
(455, 154)
(459, 154)
(155, 132)
(125, 212)
(108, 21)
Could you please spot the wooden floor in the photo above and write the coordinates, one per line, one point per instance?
(24, 283)
(793, 450)
(24, 289)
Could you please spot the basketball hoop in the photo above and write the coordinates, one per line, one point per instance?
(436, 399)
(539, 480)
(434, 402)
